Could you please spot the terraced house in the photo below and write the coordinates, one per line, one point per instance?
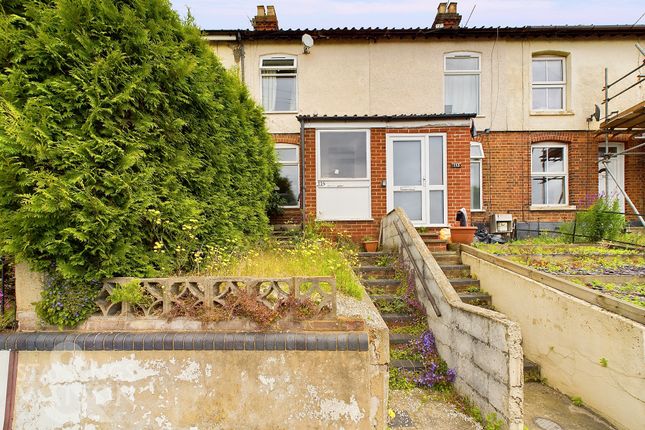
(495, 120)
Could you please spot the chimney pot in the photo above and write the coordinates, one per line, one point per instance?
(447, 16)
(266, 19)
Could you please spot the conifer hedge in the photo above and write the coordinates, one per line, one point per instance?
(123, 140)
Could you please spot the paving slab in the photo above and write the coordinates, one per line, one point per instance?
(418, 409)
(548, 409)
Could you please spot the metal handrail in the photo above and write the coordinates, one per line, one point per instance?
(419, 272)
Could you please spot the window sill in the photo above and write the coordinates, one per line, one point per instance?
(288, 112)
(552, 208)
(551, 113)
(478, 211)
(289, 207)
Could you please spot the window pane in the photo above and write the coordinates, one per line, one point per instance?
(288, 184)
(539, 98)
(410, 202)
(435, 160)
(462, 63)
(287, 154)
(555, 161)
(554, 97)
(407, 162)
(475, 185)
(554, 71)
(278, 62)
(279, 93)
(555, 195)
(476, 150)
(343, 154)
(436, 207)
(539, 71)
(538, 159)
(462, 93)
(538, 191)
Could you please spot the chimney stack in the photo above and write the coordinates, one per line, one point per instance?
(265, 20)
(447, 16)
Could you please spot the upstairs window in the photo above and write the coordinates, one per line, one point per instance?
(289, 180)
(461, 82)
(548, 84)
(279, 83)
(549, 174)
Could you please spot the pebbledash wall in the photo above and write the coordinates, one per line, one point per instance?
(458, 179)
(507, 173)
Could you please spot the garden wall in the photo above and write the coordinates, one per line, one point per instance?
(483, 346)
(583, 350)
(149, 372)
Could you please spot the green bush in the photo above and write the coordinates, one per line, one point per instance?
(118, 129)
(65, 302)
(596, 223)
(131, 292)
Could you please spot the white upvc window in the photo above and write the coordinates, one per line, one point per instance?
(461, 82)
(279, 83)
(289, 181)
(476, 191)
(549, 174)
(548, 84)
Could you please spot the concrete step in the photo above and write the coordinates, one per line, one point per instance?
(368, 270)
(531, 371)
(429, 234)
(409, 365)
(464, 285)
(447, 257)
(382, 283)
(477, 299)
(398, 318)
(456, 270)
(373, 258)
(401, 338)
(286, 227)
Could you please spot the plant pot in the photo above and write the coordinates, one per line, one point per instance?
(463, 235)
(370, 245)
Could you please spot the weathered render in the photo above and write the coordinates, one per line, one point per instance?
(483, 346)
(570, 339)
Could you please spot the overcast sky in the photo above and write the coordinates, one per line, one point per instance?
(234, 14)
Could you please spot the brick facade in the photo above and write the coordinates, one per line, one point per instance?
(507, 173)
(458, 151)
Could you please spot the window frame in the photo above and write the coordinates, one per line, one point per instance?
(264, 68)
(291, 163)
(477, 73)
(564, 173)
(550, 84)
(477, 159)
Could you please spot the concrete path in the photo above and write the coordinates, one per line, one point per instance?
(418, 409)
(548, 409)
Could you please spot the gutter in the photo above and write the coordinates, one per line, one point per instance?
(242, 55)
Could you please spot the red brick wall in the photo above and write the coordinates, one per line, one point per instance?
(635, 177)
(507, 170)
(458, 148)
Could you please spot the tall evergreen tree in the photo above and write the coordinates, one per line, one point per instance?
(119, 131)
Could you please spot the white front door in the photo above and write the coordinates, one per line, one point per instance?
(617, 167)
(416, 177)
(343, 175)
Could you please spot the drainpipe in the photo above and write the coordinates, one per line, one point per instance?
(302, 172)
(241, 45)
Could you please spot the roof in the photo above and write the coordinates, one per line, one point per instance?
(401, 117)
(529, 32)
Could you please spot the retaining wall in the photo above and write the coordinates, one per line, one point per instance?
(570, 338)
(483, 346)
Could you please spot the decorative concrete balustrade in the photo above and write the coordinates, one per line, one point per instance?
(210, 292)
